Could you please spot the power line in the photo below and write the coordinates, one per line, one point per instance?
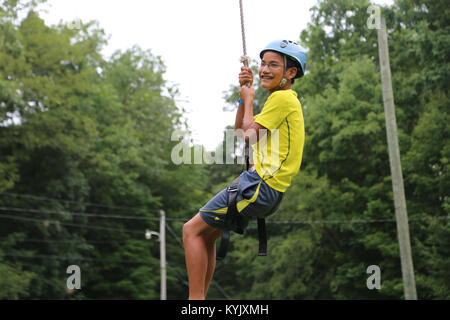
(336, 221)
(185, 220)
(91, 204)
(173, 234)
(83, 214)
(6, 216)
(55, 257)
(353, 220)
(85, 241)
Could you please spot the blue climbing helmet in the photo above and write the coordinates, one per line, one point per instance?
(290, 49)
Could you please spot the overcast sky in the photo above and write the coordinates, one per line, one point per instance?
(199, 41)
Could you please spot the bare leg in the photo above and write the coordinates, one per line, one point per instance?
(196, 235)
(211, 248)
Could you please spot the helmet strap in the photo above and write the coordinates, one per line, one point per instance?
(283, 80)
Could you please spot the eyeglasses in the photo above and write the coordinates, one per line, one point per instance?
(272, 66)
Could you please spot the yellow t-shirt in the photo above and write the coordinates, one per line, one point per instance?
(278, 154)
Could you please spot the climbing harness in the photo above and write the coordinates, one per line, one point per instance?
(233, 223)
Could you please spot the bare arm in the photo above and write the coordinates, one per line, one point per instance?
(239, 117)
(251, 128)
(245, 77)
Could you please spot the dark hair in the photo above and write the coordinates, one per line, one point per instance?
(291, 63)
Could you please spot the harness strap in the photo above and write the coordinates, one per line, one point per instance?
(262, 235)
(223, 245)
(230, 224)
(230, 217)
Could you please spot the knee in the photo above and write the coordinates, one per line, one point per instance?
(196, 228)
(188, 230)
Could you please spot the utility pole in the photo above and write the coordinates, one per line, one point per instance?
(162, 250)
(409, 285)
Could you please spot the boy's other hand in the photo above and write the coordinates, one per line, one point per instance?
(246, 76)
(247, 93)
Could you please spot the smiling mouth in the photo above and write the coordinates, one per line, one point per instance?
(266, 78)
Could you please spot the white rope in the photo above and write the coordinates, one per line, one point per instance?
(244, 59)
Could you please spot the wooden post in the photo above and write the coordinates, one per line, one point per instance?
(409, 286)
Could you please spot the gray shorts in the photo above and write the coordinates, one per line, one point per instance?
(255, 198)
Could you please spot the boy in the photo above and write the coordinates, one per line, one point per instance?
(261, 188)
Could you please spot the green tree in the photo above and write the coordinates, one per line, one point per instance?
(14, 283)
(89, 138)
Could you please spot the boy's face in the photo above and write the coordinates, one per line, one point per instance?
(271, 70)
